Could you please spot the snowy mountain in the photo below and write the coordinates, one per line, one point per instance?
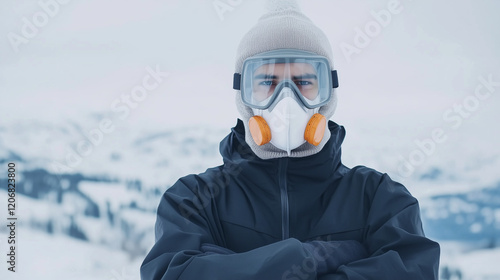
(473, 216)
(106, 206)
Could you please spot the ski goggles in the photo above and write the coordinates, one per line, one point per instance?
(264, 76)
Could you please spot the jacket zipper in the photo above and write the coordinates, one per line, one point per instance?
(285, 216)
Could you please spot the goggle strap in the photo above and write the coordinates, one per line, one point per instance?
(335, 79)
(237, 81)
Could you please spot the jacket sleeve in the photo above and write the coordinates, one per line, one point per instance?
(395, 240)
(183, 225)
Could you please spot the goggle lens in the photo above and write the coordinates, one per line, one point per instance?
(263, 78)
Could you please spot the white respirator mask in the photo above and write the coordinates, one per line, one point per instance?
(287, 124)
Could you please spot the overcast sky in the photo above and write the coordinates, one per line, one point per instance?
(75, 59)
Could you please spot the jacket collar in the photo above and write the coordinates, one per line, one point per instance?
(320, 166)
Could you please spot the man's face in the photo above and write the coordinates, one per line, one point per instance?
(268, 76)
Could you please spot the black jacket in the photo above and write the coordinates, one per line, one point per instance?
(264, 209)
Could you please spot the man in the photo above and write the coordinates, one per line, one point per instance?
(283, 206)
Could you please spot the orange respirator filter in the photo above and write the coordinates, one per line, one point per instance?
(259, 129)
(315, 129)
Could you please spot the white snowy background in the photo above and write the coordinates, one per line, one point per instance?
(86, 209)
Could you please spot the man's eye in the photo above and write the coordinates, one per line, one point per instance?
(303, 83)
(266, 83)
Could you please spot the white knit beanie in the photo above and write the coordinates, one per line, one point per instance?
(283, 27)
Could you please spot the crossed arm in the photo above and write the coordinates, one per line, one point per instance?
(394, 247)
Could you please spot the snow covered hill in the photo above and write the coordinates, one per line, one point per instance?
(109, 199)
(473, 216)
